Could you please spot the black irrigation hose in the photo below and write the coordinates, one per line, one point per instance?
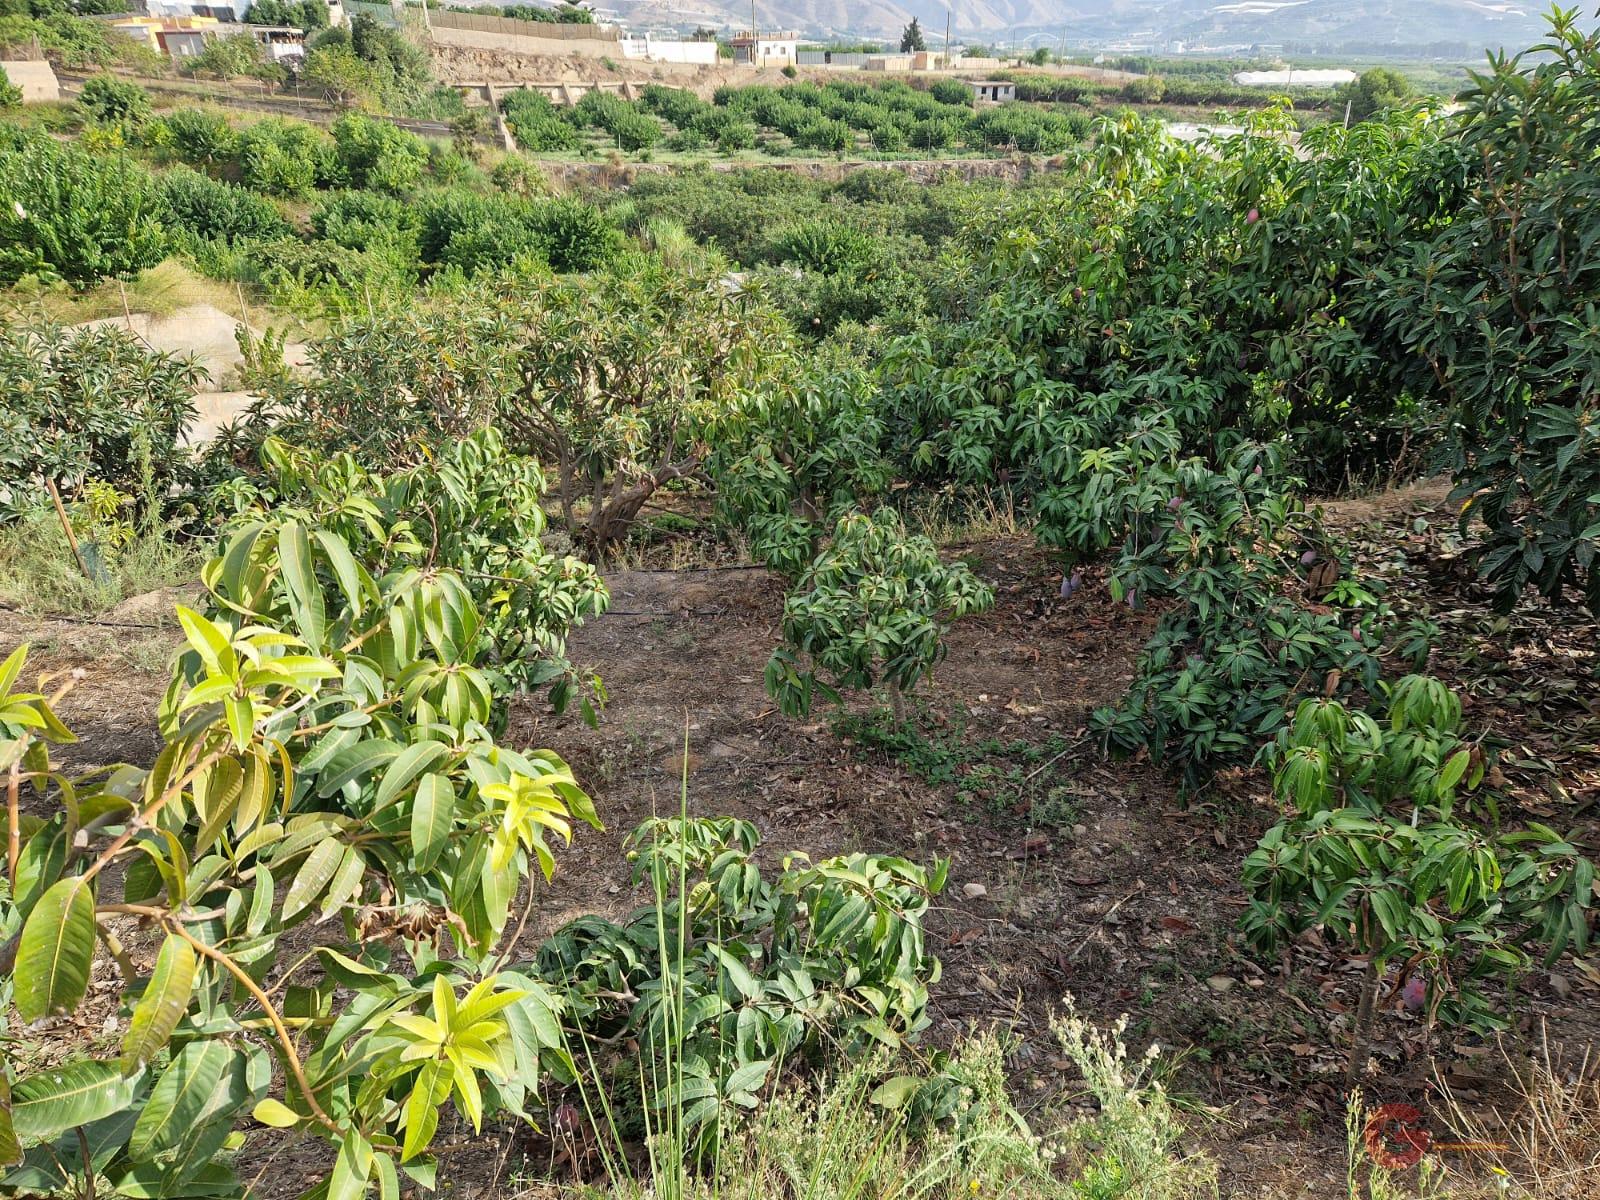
(88, 621)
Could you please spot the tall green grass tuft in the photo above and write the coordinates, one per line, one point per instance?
(839, 1137)
(40, 576)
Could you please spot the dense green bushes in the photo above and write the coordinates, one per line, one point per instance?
(866, 245)
(68, 214)
(376, 155)
(91, 403)
(536, 123)
(622, 120)
(195, 205)
(284, 158)
(474, 232)
(1494, 314)
(836, 117)
(112, 101)
(80, 216)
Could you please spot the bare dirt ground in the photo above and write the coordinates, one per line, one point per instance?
(1071, 874)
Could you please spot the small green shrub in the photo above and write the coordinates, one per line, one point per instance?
(286, 158)
(953, 92)
(536, 123)
(360, 220)
(476, 508)
(828, 246)
(67, 214)
(112, 101)
(91, 403)
(730, 978)
(1382, 851)
(376, 155)
(201, 137)
(873, 607)
(197, 206)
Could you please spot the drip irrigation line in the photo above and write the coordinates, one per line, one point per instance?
(63, 620)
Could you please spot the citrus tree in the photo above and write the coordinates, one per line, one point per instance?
(66, 214)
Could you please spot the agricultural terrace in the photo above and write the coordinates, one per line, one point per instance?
(731, 680)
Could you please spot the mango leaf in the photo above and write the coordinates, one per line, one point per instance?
(276, 1114)
(351, 1168)
(304, 592)
(56, 950)
(896, 1093)
(346, 882)
(147, 1181)
(408, 764)
(428, 1092)
(180, 1098)
(10, 1148)
(353, 762)
(433, 814)
(313, 876)
(165, 1000)
(46, 1103)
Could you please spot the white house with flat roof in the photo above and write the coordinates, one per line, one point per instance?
(766, 49)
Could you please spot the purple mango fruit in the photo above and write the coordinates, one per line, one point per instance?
(1414, 993)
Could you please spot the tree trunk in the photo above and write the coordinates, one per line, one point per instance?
(897, 703)
(1362, 1031)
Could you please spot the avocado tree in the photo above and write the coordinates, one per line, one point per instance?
(873, 608)
(1388, 850)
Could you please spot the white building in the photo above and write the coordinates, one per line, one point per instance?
(996, 91)
(766, 49)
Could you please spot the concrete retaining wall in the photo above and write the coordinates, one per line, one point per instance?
(485, 39)
(35, 77)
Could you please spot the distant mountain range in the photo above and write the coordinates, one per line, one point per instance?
(1298, 26)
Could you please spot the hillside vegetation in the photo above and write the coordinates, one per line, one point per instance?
(304, 912)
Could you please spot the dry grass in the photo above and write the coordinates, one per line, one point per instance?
(160, 291)
(1551, 1132)
(39, 576)
(949, 521)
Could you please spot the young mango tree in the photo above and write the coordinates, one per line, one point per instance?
(874, 607)
(787, 460)
(471, 507)
(1390, 850)
(329, 774)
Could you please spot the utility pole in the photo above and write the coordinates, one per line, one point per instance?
(947, 39)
